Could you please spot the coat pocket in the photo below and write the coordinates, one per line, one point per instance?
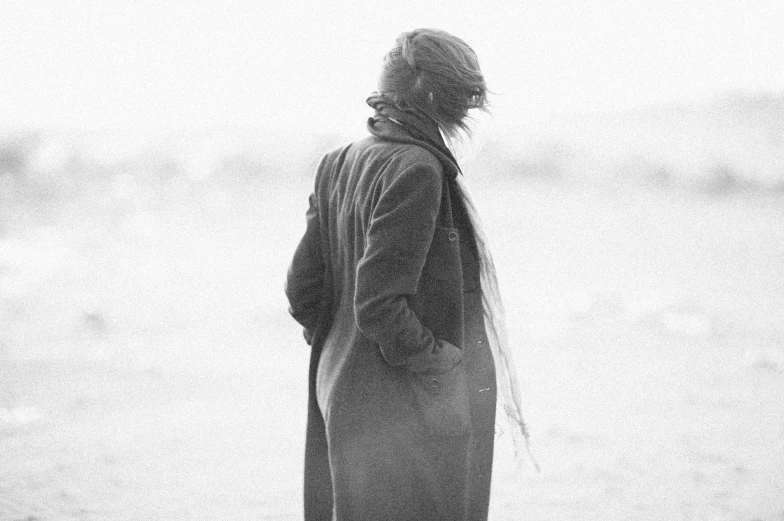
(442, 400)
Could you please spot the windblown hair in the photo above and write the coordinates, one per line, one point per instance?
(437, 74)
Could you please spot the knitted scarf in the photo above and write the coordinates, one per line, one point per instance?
(408, 125)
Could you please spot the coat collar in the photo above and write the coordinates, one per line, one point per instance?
(407, 126)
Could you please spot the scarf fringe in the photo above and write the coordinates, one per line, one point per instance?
(510, 400)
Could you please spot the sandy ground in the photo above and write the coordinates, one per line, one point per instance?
(149, 369)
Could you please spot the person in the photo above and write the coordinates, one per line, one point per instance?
(396, 292)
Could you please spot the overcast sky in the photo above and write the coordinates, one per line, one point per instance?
(160, 64)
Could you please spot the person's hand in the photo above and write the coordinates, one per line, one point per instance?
(442, 358)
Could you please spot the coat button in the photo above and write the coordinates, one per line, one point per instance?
(452, 236)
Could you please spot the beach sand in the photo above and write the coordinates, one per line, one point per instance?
(149, 369)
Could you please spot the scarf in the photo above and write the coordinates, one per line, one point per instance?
(410, 126)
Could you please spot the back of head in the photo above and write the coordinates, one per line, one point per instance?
(437, 74)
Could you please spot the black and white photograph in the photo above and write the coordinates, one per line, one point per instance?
(392, 261)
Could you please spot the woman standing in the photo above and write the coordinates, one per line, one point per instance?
(397, 296)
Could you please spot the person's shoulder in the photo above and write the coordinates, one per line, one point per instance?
(403, 154)
(337, 151)
(388, 159)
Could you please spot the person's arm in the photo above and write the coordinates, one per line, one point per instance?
(397, 242)
(305, 278)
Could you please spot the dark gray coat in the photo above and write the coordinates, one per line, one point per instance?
(385, 277)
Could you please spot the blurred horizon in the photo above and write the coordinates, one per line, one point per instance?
(732, 143)
(496, 122)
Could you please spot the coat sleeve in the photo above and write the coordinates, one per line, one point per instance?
(305, 277)
(398, 238)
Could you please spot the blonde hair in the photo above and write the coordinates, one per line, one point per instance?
(437, 74)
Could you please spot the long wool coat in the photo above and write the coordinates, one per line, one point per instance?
(386, 270)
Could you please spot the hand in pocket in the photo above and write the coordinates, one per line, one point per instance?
(442, 358)
(438, 380)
